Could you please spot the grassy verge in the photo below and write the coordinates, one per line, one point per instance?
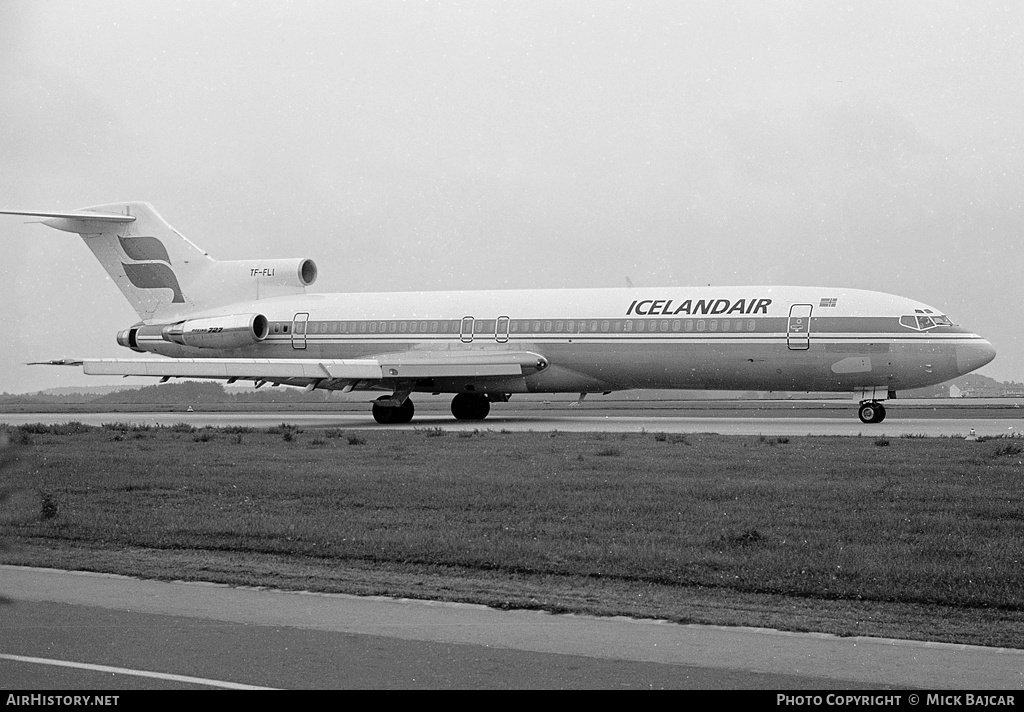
(919, 538)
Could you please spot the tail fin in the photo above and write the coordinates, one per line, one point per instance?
(162, 273)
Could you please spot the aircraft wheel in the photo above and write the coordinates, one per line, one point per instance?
(389, 414)
(383, 414)
(879, 413)
(470, 406)
(871, 413)
(405, 412)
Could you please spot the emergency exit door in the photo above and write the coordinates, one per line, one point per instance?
(798, 332)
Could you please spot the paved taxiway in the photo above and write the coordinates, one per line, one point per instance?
(153, 634)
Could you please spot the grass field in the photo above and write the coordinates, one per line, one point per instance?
(909, 537)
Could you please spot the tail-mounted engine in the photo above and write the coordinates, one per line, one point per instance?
(271, 273)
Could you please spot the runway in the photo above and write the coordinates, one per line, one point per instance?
(807, 421)
(123, 633)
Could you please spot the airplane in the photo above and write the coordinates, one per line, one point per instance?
(258, 320)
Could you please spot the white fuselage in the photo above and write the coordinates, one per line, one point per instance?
(741, 338)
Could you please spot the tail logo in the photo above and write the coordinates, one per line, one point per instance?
(152, 266)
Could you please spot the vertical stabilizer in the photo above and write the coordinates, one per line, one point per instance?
(162, 273)
(151, 262)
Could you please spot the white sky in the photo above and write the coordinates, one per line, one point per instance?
(443, 145)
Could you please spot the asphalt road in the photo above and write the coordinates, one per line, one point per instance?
(114, 632)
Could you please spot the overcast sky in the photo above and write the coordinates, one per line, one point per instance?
(444, 145)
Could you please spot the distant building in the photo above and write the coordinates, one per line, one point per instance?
(999, 391)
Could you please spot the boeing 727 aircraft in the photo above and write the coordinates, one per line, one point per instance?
(257, 320)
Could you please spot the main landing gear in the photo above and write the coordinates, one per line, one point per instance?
(871, 412)
(392, 414)
(471, 406)
(465, 406)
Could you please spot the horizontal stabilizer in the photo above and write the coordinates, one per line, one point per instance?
(80, 215)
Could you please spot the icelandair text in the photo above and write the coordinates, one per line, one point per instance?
(667, 307)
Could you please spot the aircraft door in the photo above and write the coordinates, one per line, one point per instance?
(467, 330)
(798, 332)
(501, 330)
(299, 330)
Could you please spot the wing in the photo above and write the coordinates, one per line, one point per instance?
(386, 371)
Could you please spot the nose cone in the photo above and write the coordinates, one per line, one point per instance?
(970, 357)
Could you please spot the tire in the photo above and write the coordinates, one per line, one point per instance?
(470, 406)
(871, 413)
(390, 414)
(867, 413)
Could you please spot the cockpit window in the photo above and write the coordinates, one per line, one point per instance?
(923, 323)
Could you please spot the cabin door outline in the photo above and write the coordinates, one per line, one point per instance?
(798, 328)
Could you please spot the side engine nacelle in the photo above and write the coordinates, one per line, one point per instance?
(215, 332)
